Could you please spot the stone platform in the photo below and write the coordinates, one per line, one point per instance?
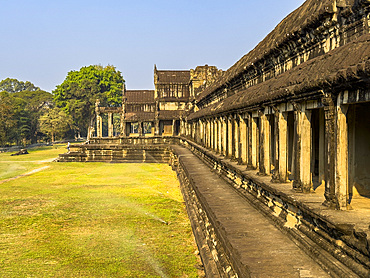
(121, 150)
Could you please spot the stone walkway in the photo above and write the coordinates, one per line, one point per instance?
(263, 248)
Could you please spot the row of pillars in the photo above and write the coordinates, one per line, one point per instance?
(99, 125)
(260, 140)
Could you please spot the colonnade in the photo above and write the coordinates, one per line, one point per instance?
(99, 125)
(305, 143)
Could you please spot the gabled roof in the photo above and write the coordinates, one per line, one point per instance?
(173, 76)
(139, 96)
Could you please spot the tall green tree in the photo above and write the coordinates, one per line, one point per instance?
(80, 90)
(22, 104)
(32, 105)
(12, 85)
(55, 123)
(7, 121)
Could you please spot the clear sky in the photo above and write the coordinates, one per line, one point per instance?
(42, 40)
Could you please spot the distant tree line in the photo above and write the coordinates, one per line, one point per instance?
(29, 114)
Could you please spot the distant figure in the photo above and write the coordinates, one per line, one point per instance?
(68, 146)
(22, 151)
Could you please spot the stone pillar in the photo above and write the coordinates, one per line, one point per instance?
(99, 126)
(230, 139)
(174, 128)
(209, 133)
(264, 165)
(341, 163)
(201, 132)
(236, 139)
(215, 134)
(330, 149)
(219, 134)
(302, 171)
(110, 124)
(156, 125)
(322, 147)
(140, 129)
(224, 136)
(206, 134)
(244, 141)
(212, 127)
(122, 125)
(253, 144)
(282, 145)
(123, 129)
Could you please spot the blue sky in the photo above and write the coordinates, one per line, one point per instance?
(43, 40)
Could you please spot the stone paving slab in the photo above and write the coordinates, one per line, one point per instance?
(262, 247)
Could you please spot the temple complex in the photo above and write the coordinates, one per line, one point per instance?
(289, 123)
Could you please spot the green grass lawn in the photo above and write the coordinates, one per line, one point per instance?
(11, 166)
(93, 220)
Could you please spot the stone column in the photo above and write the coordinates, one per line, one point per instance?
(230, 138)
(330, 149)
(201, 132)
(206, 133)
(322, 147)
(244, 141)
(110, 124)
(236, 139)
(282, 145)
(215, 133)
(123, 129)
(99, 126)
(219, 123)
(264, 165)
(174, 127)
(306, 141)
(209, 133)
(212, 127)
(224, 136)
(302, 162)
(253, 144)
(341, 163)
(156, 125)
(122, 125)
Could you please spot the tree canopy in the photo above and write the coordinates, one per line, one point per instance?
(12, 85)
(55, 122)
(21, 105)
(80, 89)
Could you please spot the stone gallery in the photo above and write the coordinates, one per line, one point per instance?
(289, 123)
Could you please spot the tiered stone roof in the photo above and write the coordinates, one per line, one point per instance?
(173, 76)
(311, 14)
(340, 68)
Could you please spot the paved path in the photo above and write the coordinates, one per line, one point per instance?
(264, 249)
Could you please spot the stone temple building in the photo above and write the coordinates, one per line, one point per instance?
(158, 111)
(291, 117)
